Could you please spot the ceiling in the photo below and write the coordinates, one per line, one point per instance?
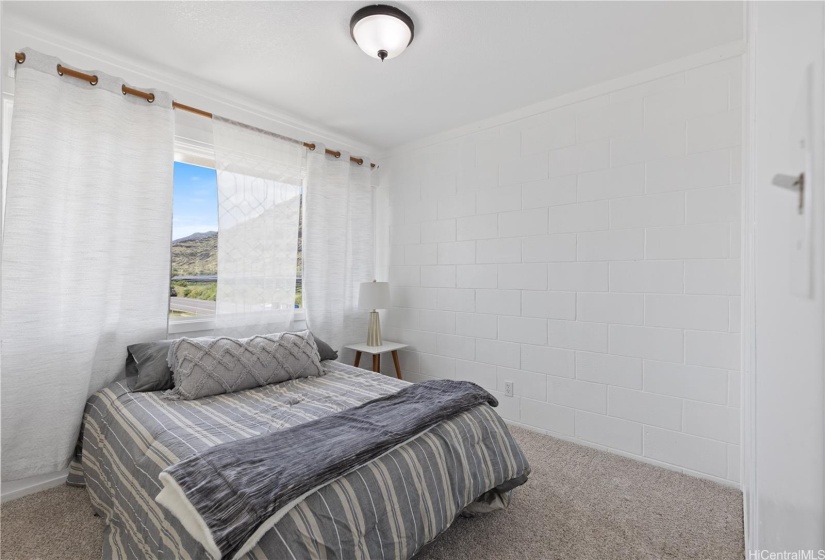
(469, 60)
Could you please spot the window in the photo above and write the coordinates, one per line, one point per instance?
(194, 270)
(193, 284)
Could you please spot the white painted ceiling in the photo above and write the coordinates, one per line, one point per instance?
(469, 60)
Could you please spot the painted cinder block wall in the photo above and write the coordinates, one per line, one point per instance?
(591, 255)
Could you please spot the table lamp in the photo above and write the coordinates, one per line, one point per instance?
(372, 296)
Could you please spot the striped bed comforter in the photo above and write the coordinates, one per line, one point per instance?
(388, 508)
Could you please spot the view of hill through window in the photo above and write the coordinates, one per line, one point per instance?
(194, 282)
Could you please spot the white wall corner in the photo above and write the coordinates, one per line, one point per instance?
(748, 309)
(558, 242)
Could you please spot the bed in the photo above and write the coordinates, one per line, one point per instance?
(388, 508)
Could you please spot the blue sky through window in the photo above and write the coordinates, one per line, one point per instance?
(195, 206)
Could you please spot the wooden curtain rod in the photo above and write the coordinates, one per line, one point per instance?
(150, 97)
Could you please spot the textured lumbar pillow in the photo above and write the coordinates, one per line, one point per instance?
(212, 366)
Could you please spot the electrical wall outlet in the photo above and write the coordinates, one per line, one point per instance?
(508, 388)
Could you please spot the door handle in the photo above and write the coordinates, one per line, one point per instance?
(793, 183)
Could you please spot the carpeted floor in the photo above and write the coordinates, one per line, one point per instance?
(579, 503)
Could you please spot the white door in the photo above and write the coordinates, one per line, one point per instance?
(784, 328)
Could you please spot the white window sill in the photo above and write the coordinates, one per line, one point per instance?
(180, 326)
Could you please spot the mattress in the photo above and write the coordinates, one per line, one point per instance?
(388, 508)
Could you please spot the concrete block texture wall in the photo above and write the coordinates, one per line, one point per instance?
(590, 255)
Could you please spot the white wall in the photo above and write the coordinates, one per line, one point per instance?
(591, 255)
(785, 482)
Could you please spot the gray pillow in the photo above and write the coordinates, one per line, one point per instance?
(213, 366)
(146, 367)
(325, 350)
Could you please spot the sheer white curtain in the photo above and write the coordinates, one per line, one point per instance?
(338, 245)
(85, 252)
(260, 180)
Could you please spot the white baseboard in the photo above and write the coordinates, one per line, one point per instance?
(634, 457)
(19, 488)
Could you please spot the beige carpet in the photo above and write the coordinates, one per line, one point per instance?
(578, 504)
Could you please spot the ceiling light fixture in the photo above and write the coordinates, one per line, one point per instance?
(381, 31)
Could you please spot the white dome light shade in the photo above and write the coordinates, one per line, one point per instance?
(381, 31)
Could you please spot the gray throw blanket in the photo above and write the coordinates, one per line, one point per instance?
(237, 486)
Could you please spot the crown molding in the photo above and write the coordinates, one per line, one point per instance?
(716, 54)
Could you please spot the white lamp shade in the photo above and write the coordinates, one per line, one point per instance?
(382, 32)
(374, 295)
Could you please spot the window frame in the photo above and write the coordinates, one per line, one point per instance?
(194, 152)
(8, 109)
(191, 152)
